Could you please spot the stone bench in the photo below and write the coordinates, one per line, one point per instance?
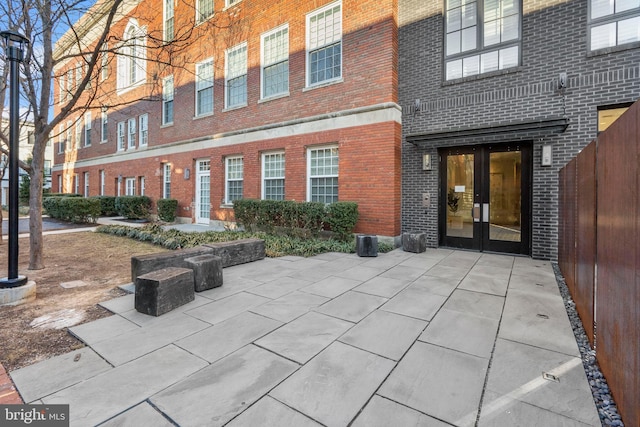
(415, 242)
(238, 251)
(207, 271)
(366, 245)
(143, 264)
(161, 291)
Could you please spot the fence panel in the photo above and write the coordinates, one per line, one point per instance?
(567, 226)
(586, 238)
(618, 258)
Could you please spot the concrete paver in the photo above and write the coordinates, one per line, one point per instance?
(405, 339)
(335, 385)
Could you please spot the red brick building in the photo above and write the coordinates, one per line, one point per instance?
(286, 99)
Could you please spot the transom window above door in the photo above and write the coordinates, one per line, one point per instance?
(481, 36)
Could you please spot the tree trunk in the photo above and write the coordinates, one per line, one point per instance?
(36, 252)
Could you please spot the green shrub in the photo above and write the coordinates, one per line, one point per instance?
(167, 209)
(267, 215)
(133, 207)
(73, 209)
(107, 205)
(342, 218)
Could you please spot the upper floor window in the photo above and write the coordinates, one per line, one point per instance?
(613, 23)
(63, 87)
(87, 128)
(168, 20)
(324, 44)
(609, 114)
(132, 57)
(167, 100)
(104, 61)
(104, 119)
(322, 170)
(77, 141)
(204, 87)
(275, 62)
(121, 136)
(481, 36)
(204, 10)
(69, 136)
(273, 176)
(234, 177)
(131, 133)
(144, 130)
(62, 140)
(236, 76)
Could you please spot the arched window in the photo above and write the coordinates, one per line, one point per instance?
(132, 61)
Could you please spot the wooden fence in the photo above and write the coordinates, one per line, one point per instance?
(599, 252)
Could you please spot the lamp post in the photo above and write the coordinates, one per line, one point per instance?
(14, 43)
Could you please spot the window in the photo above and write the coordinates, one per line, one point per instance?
(130, 187)
(102, 182)
(77, 141)
(167, 100)
(608, 115)
(132, 64)
(144, 130)
(234, 173)
(204, 10)
(87, 128)
(273, 176)
(204, 87)
(131, 133)
(120, 136)
(62, 141)
(324, 44)
(47, 167)
(69, 137)
(142, 185)
(76, 183)
(168, 20)
(275, 62)
(69, 83)
(481, 36)
(166, 180)
(104, 62)
(322, 166)
(63, 87)
(104, 118)
(79, 74)
(59, 183)
(228, 3)
(613, 23)
(86, 184)
(236, 76)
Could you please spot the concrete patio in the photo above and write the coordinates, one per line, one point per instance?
(441, 338)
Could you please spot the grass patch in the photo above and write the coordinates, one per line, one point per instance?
(275, 246)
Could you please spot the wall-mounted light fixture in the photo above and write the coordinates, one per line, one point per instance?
(187, 173)
(426, 162)
(546, 155)
(562, 81)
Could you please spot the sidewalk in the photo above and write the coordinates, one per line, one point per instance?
(442, 338)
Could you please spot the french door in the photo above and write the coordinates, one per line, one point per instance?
(203, 191)
(485, 196)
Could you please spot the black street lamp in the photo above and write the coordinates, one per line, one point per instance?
(14, 43)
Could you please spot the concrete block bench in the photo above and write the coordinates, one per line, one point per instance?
(414, 242)
(366, 245)
(161, 291)
(207, 271)
(143, 264)
(238, 251)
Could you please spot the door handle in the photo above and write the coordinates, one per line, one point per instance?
(475, 212)
(485, 212)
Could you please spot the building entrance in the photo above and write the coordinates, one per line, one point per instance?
(485, 194)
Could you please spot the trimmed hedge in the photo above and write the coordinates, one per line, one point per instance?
(133, 207)
(268, 215)
(107, 205)
(73, 209)
(167, 209)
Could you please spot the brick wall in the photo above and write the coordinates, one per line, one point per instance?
(554, 40)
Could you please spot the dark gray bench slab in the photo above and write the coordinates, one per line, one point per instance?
(415, 242)
(238, 251)
(366, 245)
(161, 291)
(207, 271)
(143, 264)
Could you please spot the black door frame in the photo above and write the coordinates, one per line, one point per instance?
(481, 241)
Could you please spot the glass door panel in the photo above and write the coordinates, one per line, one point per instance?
(505, 196)
(460, 181)
(203, 182)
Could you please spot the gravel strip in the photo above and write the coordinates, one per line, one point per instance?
(607, 408)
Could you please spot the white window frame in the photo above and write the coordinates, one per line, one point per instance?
(168, 20)
(104, 62)
(79, 74)
(166, 181)
(142, 186)
(120, 138)
(616, 21)
(62, 141)
(268, 174)
(143, 130)
(59, 183)
(131, 134)
(103, 179)
(104, 125)
(204, 86)
(130, 186)
(200, 17)
(76, 183)
(69, 136)
(132, 57)
(278, 59)
(87, 129)
(313, 45)
(484, 55)
(167, 99)
(231, 176)
(86, 184)
(63, 87)
(310, 177)
(235, 75)
(79, 130)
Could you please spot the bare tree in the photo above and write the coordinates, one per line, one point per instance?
(84, 35)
